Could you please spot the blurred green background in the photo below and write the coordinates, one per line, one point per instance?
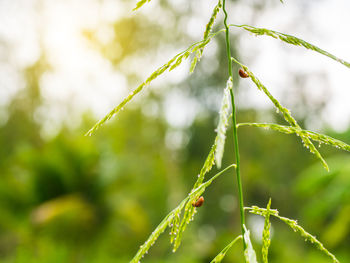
(69, 198)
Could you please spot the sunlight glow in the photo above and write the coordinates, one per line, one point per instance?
(81, 79)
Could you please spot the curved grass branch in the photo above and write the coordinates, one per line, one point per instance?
(170, 65)
(293, 224)
(285, 112)
(320, 138)
(292, 40)
(198, 47)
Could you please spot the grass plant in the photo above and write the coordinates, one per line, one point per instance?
(179, 218)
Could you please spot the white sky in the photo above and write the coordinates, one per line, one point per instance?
(82, 79)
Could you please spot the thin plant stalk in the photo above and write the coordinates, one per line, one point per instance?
(234, 122)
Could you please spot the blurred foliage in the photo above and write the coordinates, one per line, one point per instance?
(71, 198)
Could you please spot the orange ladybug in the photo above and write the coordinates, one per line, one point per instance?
(199, 202)
(242, 73)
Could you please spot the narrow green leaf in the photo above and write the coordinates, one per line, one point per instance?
(295, 227)
(285, 112)
(223, 123)
(223, 252)
(249, 252)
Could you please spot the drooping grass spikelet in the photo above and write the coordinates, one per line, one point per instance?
(223, 123)
(285, 112)
(223, 252)
(141, 3)
(170, 65)
(189, 209)
(249, 252)
(291, 40)
(266, 234)
(308, 237)
(173, 218)
(296, 228)
(207, 31)
(167, 221)
(321, 138)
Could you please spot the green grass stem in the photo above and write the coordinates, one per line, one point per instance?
(234, 122)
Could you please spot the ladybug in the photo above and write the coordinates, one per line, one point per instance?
(242, 73)
(199, 202)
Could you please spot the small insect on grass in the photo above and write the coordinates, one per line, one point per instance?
(199, 202)
(242, 73)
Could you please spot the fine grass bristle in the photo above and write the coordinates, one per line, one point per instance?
(295, 227)
(223, 252)
(285, 112)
